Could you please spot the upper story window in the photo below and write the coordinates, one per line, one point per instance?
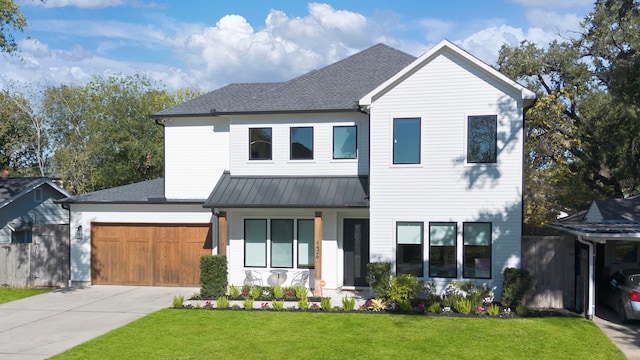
(37, 195)
(260, 144)
(345, 142)
(482, 134)
(301, 143)
(406, 141)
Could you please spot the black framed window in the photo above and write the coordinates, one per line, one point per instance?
(476, 252)
(306, 242)
(345, 142)
(255, 242)
(260, 144)
(442, 250)
(482, 135)
(301, 143)
(406, 141)
(409, 259)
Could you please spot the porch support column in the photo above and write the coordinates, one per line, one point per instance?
(317, 235)
(222, 233)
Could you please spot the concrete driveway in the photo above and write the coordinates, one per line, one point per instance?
(45, 325)
(625, 336)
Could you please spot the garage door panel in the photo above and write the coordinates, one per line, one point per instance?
(149, 254)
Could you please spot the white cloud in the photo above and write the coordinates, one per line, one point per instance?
(568, 24)
(554, 4)
(436, 29)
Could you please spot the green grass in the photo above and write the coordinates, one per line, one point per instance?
(198, 334)
(10, 294)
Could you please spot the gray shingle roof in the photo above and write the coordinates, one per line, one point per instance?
(12, 188)
(336, 87)
(150, 191)
(289, 192)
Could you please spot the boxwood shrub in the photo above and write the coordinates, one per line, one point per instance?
(213, 276)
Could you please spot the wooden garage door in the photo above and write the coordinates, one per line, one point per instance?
(148, 254)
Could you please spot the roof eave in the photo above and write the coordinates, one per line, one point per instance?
(230, 113)
(598, 237)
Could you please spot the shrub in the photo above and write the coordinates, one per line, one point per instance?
(277, 304)
(303, 303)
(255, 292)
(434, 308)
(493, 310)
(376, 305)
(325, 304)
(522, 310)
(222, 302)
(427, 291)
(463, 306)
(379, 278)
(213, 275)
(403, 289)
(515, 284)
(301, 292)
(177, 301)
(278, 292)
(234, 292)
(247, 303)
(348, 303)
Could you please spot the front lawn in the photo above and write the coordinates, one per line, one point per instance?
(199, 334)
(10, 294)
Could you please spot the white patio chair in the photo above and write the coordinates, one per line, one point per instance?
(300, 279)
(252, 278)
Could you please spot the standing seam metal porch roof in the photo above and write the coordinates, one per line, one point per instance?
(289, 192)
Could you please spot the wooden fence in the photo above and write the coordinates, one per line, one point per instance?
(42, 263)
(551, 262)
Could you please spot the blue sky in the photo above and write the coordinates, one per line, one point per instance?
(210, 43)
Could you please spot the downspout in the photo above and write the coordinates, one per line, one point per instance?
(590, 310)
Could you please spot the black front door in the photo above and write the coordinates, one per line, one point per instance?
(356, 251)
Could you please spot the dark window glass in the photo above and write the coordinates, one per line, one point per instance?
(406, 141)
(477, 250)
(481, 139)
(442, 250)
(281, 243)
(306, 256)
(301, 143)
(409, 259)
(345, 144)
(260, 144)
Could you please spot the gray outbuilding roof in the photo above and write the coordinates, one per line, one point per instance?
(289, 192)
(612, 219)
(336, 87)
(12, 188)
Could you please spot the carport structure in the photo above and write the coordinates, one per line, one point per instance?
(610, 230)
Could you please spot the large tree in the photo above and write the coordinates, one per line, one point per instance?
(11, 20)
(583, 134)
(103, 133)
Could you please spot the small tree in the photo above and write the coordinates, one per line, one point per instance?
(213, 276)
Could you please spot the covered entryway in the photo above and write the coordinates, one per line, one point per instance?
(148, 254)
(356, 251)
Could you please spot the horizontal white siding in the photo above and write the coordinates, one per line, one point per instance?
(84, 214)
(444, 187)
(196, 155)
(322, 164)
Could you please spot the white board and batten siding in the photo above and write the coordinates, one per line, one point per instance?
(280, 164)
(85, 214)
(444, 187)
(196, 155)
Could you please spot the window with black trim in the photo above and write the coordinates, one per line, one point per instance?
(476, 252)
(442, 249)
(482, 135)
(406, 141)
(260, 144)
(345, 142)
(255, 242)
(281, 243)
(306, 242)
(21, 236)
(37, 195)
(409, 259)
(301, 143)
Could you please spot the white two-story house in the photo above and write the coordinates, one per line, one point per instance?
(378, 157)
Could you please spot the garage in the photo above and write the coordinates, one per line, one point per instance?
(148, 254)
